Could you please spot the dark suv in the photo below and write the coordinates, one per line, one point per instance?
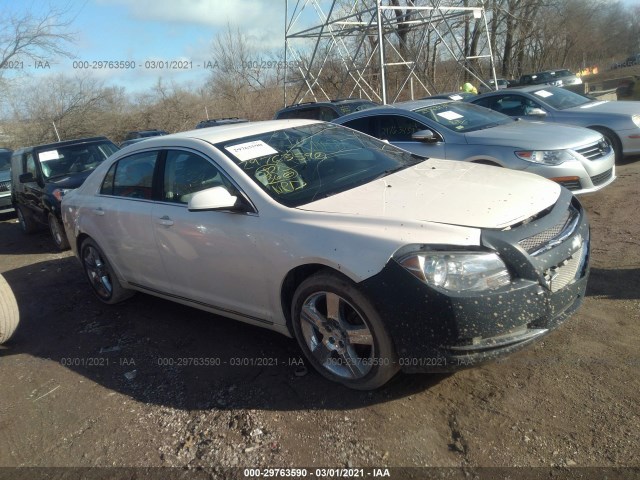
(326, 111)
(215, 122)
(41, 176)
(5, 180)
(139, 135)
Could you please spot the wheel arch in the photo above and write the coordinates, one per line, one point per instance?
(293, 279)
(606, 131)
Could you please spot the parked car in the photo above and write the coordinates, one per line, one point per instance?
(540, 78)
(374, 259)
(324, 110)
(490, 85)
(618, 121)
(577, 158)
(139, 135)
(567, 76)
(43, 174)
(5, 180)
(216, 122)
(458, 96)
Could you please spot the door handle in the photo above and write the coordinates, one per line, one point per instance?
(165, 220)
(98, 211)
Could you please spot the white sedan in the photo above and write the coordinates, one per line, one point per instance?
(374, 259)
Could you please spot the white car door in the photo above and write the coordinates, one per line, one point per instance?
(122, 216)
(212, 258)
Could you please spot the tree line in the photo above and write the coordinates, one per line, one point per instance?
(524, 36)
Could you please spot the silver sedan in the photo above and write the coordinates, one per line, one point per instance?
(619, 122)
(577, 158)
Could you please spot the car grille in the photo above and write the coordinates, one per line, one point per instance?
(560, 276)
(594, 151)
(603, 177)
(571, 184)
(540, 242)
(5, 186)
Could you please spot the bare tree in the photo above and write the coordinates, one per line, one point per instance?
(36, 38)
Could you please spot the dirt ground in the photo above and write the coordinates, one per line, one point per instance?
(83, 384)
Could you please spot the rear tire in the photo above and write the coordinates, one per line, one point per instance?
(58, 233)
(101, 275)
(27, 223)
(9, 313)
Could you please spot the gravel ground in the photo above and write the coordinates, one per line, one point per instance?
(83, 384)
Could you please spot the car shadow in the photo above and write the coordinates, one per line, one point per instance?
(160, 352)
(606, 283)
(15, 242)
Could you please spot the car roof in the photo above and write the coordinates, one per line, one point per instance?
(65, 143)
(232, 131)
(518, 88)
(338, 101)
(425, 102)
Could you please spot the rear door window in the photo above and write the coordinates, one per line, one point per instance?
(133, 176)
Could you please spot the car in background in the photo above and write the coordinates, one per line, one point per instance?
(216, 122)
(490, 85)
(458, 96)
(567, 77)
(5, 180)
(326, 111)
(373, 258)
(540, 78)
(576, 158)
(618, 121)
(139, 135)
(41, 175)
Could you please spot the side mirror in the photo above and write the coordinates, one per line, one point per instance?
(425, 136)
(216, 198)
(26, 178)
(536, 112)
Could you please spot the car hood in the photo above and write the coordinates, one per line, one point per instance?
(442, 191)
(533, 135)
(620, 107)
(70, 180)
(5, 175)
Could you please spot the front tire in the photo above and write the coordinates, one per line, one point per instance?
(614, 141)
(27, 224)
(9, 313)
(341, 333)
(58, 234)
(101, 275)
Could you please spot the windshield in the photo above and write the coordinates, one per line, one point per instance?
(350, 107)
(299, 165)
(82, 157)
(463, 117)
(560, 98)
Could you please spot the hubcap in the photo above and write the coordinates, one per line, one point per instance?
(97, 272)
(21, 219)
(337, 335)
(55, 231)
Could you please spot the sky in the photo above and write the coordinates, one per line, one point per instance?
(178, 33)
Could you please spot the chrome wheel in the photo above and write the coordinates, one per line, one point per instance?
(97, 272)
(23, 224)
(337, 335)
(57, 232)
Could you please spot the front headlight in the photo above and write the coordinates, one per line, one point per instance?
(636, 119)
(458, 270)
(545, 157)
